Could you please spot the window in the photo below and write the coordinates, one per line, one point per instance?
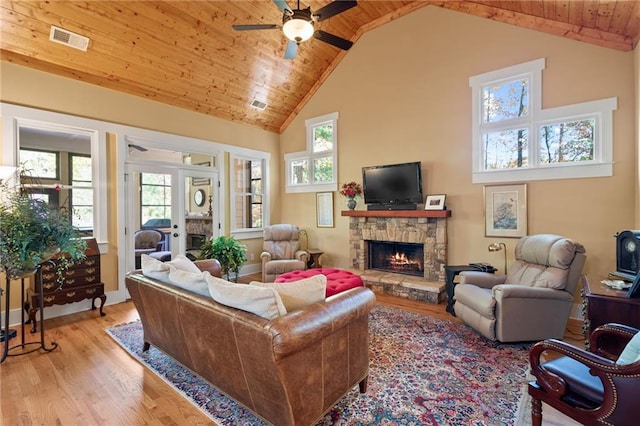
(39, 164)
(514, 139)
(155, 200)
(248, 199)
(32, 129)
(72, 192)
(315, 169)
(81, 194)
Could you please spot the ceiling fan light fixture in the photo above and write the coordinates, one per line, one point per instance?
(299, 26)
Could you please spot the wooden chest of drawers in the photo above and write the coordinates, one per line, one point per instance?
(81, 281)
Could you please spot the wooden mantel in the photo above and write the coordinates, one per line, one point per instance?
(397, 213)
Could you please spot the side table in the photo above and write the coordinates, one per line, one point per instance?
(451, 272)
(605, 305)
(314, 258)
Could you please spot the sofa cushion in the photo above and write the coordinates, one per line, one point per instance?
(154, 268)
(262, 301)
(631, 352)
(180, 272)
(298, 294)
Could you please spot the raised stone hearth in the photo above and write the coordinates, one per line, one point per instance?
(427, 227)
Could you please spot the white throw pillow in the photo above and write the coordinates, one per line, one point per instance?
(180, 272)
(631, 352)
(183, 263)
(191, 281)
(298, 294)
(261, 301)
(154, 268)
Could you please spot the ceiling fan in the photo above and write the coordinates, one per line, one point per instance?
(297, 25)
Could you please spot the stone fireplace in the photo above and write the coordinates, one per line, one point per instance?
(427, 229)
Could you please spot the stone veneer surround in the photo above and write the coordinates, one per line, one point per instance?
(392, 226)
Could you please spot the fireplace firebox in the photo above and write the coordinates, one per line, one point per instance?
(400, 258)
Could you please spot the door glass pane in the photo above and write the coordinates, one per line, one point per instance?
(199, 199)
(155, 196)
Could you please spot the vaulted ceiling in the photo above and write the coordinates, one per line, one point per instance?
(185, 53)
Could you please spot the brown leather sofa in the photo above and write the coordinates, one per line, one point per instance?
(289, 370)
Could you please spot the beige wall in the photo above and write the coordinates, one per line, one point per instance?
(403, 95)
(28, 87)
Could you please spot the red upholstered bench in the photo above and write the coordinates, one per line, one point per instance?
(338, 280)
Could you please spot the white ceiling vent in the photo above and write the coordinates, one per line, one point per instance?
(258, 104)
(68, 38)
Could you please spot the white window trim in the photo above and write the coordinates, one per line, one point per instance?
(248, 233)
(14, 117)
(309, 156)
(600, 110)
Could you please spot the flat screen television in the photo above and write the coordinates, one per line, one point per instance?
(392, 186)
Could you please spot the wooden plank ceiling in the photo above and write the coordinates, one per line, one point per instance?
(184, 53)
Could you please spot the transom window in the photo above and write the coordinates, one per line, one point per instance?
(514, 139)
(315, 169)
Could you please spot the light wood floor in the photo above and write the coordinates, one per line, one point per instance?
(90, 380)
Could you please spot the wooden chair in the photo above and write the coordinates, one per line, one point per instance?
(588, 386)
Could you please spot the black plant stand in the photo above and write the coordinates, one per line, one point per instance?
(39, 345)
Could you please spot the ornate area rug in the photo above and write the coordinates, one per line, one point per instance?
(423, 371)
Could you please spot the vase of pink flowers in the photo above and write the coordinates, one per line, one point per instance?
(351, 190)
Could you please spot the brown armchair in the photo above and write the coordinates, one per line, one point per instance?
(282, 251)
(589, 387)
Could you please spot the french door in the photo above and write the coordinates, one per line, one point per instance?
(180, 202)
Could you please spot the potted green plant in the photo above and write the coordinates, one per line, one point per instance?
(32, 231)
(228, 251)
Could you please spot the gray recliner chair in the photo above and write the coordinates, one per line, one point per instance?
(282, 251)
(533, 301)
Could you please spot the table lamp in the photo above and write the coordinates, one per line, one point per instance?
(498, 247)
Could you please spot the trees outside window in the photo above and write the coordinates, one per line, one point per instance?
(155, 197)
(316, 168)
(81, 193)
(514, 139)
(249, 212)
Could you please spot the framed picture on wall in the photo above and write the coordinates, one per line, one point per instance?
(505, 210)
(324, 209)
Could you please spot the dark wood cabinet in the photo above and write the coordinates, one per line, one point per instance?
(605, 305)
(81, 281)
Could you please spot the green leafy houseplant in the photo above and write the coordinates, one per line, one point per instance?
(228, 251)
(32, 231)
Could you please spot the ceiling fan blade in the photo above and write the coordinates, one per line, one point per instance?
(255, 27)
(333, 40)
(292, 49)
(282, 5)
(334, 8)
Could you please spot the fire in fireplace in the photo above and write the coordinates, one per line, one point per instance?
(401, 258)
